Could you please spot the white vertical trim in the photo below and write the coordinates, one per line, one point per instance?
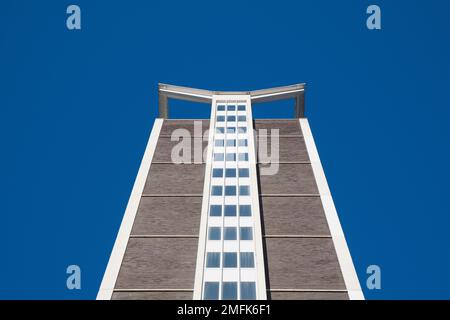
(198, 281)
(261, 293)
(340, 244)
(115, 260)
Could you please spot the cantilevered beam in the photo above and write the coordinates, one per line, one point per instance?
(167, 91)
(296, 92)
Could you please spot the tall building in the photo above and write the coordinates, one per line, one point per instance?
(230, 208)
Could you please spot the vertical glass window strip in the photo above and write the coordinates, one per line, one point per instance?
(228, 122)
(248, 291)
(211, 291)
(213, 260)
(247, 260)
(229, 291)
(230, 233)
(230, 260)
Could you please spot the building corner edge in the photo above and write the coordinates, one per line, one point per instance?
(115, 260)
(340, 244)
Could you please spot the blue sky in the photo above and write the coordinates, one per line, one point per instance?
(77, 107)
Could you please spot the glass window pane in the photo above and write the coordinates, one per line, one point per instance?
(213, 260)
(231, 108)
(211, 291)
(231, 130)
(242, 129)
(230, 260)
(216, 190)
(218, 156)
(230, 190)
(220, 130)
(231, 156)
(221, 107)
(230, 173)
(242, 143)
(229, 291)
(215, 210)
(231, 143)
(248, 291)
(231, 118)
(217, 173)
(219, 143)
(246, 233)
(245, 210)
(230, 210)
(230, 233)
(242, 118)
(214, 233)
(220, 118)
(241, 107)
(244, 190)
(244, 173)
(243, 156)
(247, 260)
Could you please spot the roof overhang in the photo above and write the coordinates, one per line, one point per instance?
(168, 91)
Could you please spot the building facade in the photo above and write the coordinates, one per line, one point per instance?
(230, 208)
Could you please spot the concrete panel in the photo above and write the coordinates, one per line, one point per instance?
(309, 296)
(290, 149)
(165, 146)
(168, 216)
(294, 216)
(170, 125)
(175, 179)
(290, 179)
(301, 263)
(158, 263)
(285, 127)
(159, 295)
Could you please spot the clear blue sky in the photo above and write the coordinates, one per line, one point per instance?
(76, 109)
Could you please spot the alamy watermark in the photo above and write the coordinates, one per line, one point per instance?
(189, 148)
(73, 21)
(373, 281)
(73, 281)
(373, 21)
